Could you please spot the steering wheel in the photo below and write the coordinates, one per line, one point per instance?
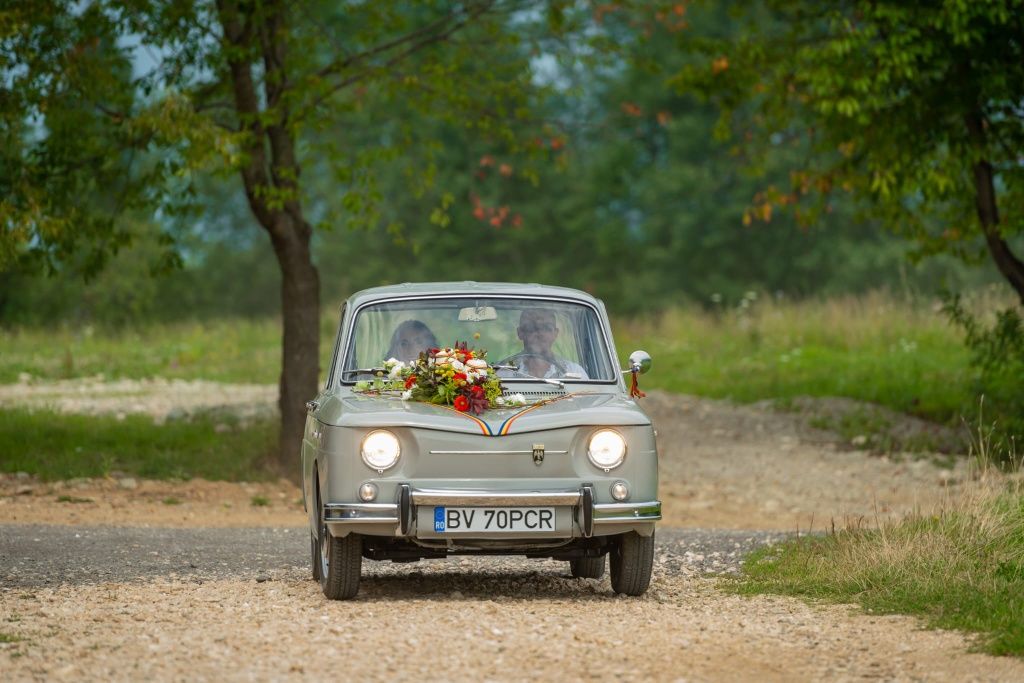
(530, 354)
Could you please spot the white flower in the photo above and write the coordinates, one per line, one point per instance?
(458, 365)
(519, 398)
(396, 369)
(407, 394)
(392, 361)
(476, 363)
(500, 400)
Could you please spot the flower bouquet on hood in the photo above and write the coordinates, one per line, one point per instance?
(457, 376)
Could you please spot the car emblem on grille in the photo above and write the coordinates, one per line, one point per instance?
(538, 453)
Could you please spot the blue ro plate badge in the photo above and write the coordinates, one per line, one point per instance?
(438, 519)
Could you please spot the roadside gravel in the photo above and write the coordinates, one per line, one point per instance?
(722, 466)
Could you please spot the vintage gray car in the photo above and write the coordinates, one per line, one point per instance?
(561, 464)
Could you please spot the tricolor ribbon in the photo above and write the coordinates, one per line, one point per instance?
(634, 387)
(506, 426)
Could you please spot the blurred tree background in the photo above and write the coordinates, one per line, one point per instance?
(629, 194)
(652, 153)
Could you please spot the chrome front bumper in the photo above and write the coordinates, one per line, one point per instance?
(587, 513)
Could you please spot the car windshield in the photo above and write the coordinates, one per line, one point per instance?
(531, 338)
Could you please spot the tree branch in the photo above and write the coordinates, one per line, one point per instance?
(338, 66)
(284, 167)
(254, 173)
(412, 49)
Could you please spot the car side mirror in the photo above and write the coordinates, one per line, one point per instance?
(639, 361)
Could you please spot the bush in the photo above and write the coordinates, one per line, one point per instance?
(997, 355)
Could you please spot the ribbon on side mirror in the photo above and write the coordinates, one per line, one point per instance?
(634, 386)
(639, 362)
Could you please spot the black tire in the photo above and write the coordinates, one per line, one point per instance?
(587, 567)
(632, 558)
(339, 561)
(314, 556)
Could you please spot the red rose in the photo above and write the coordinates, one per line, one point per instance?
(409, 381)
(459, 377)
(461, 404)
(477, 389)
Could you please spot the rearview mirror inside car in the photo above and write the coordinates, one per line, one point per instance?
(473, 314)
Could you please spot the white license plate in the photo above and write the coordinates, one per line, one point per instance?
(460, 520)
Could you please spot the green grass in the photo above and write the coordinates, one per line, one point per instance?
(10, 638)
(56, 446)
(221, 351)
(903, 356)
(259, 501)
(962, 568)
(874, 348)
(908, 358)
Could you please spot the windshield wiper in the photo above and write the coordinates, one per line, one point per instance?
(362, 371)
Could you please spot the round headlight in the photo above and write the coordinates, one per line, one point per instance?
(606, 449)
(380, 449)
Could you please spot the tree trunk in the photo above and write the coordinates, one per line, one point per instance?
(1008, 264)
(268, 130)
(300, 349)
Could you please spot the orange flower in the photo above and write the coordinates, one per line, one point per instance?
(631, 109)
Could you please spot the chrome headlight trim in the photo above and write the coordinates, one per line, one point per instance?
(606, 449)
(380, 450)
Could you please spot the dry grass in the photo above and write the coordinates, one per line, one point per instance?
(959, 566)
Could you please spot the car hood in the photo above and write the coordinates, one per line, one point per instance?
(571, 410)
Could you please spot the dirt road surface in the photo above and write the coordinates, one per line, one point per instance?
(123, 586)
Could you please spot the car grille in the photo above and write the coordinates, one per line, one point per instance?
(534, 395)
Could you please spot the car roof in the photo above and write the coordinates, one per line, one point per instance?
(414, 289)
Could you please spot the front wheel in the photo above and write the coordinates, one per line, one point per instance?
(632, 559)
(338, 562)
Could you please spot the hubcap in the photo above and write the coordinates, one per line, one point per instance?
(324, 546)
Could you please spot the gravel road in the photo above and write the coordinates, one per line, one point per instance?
(213, 588)
(129, 604)
(33, 556)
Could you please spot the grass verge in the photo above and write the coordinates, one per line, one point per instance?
(222, 351)
(961, 568)
(59, 446)
(873, 348)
